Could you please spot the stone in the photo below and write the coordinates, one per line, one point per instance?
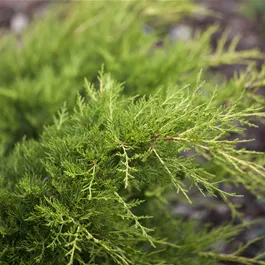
(19, 22)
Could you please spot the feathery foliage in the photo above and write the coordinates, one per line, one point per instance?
(57, 55)
(91, 190)
(84, 176)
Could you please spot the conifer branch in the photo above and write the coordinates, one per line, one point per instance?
(232, 258)
(230, 154)
(128, 168)
(62, 116)
(135, 218)
(245, 246)
(89, 187)
(176, 184)
(74, 244)
(112, 252)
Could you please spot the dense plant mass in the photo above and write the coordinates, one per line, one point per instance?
(85, 169)
(91, 190)
(37, 79)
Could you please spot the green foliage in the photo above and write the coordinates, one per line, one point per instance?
(91, 190)
(59, 53)
(86, 168)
